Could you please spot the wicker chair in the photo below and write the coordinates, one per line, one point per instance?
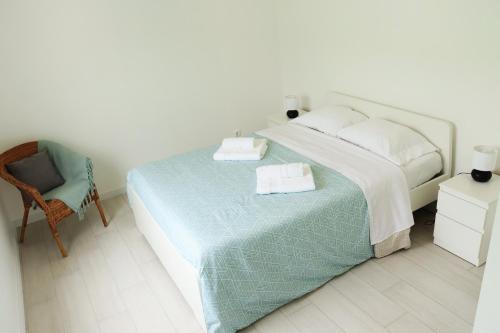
(55, 210)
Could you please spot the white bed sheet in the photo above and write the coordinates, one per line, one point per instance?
(422, 169)
(383, 183)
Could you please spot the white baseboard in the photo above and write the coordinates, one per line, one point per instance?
(38, 215)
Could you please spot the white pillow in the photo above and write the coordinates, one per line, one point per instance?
(397, 143)
(330, 119)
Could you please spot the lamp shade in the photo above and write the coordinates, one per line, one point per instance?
(291, 102)
(484, 158)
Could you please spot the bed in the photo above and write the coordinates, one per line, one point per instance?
(236, 256)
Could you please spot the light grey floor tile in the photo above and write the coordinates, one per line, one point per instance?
(38, 281)
(250, 329)
(119, 323)
(114, 207)
(44, 317)
(124, 269)
(433, 314)
(76, 308)
(310, 319)
(375, 276)
(59, 265)
(457, 300)
(408, 324)
(448, 271)
(478, 271)
(296, 305)
(146, 311)
(101, 287)
(93, 219)
(367, 298)
(442, 253)
(276, 322)
(343, 312)
(138, 245)
(125, 222)
(172, 301)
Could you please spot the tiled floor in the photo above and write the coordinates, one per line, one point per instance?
(113, 282)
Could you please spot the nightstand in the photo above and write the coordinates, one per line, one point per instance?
(466, 211)
(277, 119)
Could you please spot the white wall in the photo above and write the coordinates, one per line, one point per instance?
(440, 58)
(11, 299)
(487, 318)
(127, 81)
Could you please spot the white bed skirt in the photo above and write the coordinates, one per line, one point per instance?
(184, 275)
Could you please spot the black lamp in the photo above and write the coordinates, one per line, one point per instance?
(484, 160)
(292, 106)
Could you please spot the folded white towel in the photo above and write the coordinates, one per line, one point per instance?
(268, 183)
(290, 170)
(238, 143)
(254, 154)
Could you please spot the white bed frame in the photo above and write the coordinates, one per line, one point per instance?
(185, 276)
(438, 131)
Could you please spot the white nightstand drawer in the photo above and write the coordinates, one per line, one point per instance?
(462, 211)
(457, 238)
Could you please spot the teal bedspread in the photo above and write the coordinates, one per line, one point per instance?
(254, 253)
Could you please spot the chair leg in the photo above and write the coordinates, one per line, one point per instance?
(99, 207)
(57, 238)
(25, 223)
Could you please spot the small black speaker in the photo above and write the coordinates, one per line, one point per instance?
(292, 114)
(481, 176)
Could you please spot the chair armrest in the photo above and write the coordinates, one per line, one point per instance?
(32, 191)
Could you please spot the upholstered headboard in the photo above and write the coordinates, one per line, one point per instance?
(437, 131)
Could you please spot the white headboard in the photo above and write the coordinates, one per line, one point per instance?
(437, 131)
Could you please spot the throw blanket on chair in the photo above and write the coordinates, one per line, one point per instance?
(76, 171)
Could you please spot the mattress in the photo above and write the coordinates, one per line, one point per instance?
(422, 169)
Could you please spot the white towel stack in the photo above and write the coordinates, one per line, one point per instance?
(241, 149)
(285, 178)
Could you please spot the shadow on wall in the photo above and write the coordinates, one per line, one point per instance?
(10, 197)
(497, 169)
(3, 216)
(11, 302)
